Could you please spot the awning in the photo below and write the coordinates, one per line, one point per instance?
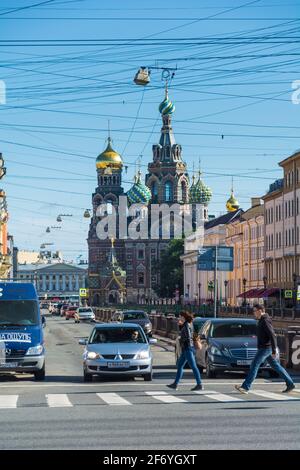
(271, 292)
(251, 294)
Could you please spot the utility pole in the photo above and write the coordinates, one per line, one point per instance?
(215, 281)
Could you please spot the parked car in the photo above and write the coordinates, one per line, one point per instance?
(63, 309)
(135, 316)
(117, 349)
(228, 345)
(70, 312)
(198, 322)
(84, 314)
(54, 309)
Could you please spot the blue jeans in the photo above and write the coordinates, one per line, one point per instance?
(187, 356)
(261, 356)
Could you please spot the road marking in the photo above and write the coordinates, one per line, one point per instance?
(272, 396)
(220, 397)
(8, 401)
(57, 400)
(165, 397)
(113, 399)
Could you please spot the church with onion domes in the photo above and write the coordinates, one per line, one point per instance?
(132, 276)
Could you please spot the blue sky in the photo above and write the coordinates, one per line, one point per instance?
(236, 61)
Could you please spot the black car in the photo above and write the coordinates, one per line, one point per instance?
(138, 317)
(228, 345)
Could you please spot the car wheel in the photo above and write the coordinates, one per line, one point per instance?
(148, 377)
(40, 374)
(67, 318)
(210, 373)
(87, 377)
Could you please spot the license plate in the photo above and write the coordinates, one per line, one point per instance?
(117, 365)
(244, 363)
(8, 365)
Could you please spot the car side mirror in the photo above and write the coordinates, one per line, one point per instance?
(152, 341)
(83, 341)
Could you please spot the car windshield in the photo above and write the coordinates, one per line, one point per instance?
(72, 308)
(134, 315)
(232, 330)
(84, 310)
(116, 335)
(197, 324)
(19, 312)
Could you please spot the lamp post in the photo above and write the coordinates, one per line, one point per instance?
(244, 286)
(188, 291)
(199, 293)
(265, 280)
(295, 285)
(225, 291)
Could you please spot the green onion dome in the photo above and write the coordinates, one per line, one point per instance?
(166, 106)
(139, 193)
(199, 192)
(232, 204)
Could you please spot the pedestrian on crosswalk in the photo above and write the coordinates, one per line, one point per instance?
(267, 351)
(187, 351)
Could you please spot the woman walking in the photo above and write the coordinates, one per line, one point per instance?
(187, 351)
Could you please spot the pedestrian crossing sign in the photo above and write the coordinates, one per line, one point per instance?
(288, 294)
(83, 292)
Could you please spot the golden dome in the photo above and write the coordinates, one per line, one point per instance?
(109, 158)
(232, 204)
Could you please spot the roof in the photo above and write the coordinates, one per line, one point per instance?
(229, 320)
(117, 325)
(51, 267)
(223, 219)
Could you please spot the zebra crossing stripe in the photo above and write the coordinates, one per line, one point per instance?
(8, 401)
(165, 397)
(272, 396)
(58, 400)
(219, 397)
(113, 399)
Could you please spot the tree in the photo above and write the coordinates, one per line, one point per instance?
(170, 269)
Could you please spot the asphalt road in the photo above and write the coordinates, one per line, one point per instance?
(65, 413)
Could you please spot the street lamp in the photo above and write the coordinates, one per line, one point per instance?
(265, 280)
(225, 290)
(199, 292)
(188, 292)
(244, 285)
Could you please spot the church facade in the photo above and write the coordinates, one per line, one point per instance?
(166, 182)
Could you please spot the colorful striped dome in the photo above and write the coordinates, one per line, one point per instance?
(166, 106)
(199, 192)
(139, 193)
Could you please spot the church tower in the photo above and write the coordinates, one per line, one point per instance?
(167, 176)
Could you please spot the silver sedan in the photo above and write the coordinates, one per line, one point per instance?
(117, 349)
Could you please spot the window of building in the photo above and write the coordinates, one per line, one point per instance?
(141, 278)
(141, 254)
(168, 191)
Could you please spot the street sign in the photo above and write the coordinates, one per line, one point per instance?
(288, 294)
(83, 292)
(207, 258)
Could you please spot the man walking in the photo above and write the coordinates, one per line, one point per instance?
(266, 343)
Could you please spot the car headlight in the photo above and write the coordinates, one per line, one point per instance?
(92, 355)
(148, 325)
(35, 350)
(215, 351)
(142, 355)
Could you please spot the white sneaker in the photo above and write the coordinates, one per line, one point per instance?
(241, 390)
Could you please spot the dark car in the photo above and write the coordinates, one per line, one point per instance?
(228, 345)
(138, 317)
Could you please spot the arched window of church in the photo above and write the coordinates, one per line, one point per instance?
(168, 191)
(154, 191)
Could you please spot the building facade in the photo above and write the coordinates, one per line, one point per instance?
(55, 279)
(246, 235)
(5, 257)
(282, 221)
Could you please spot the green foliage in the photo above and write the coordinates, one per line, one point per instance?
(170, 268)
